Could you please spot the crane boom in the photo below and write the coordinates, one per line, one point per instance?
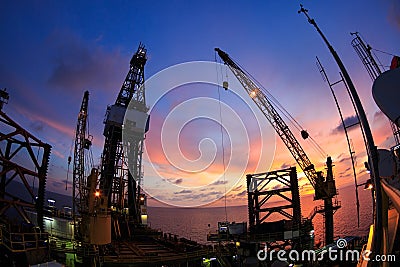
(325, 188)
(81, 143)
(281, 128)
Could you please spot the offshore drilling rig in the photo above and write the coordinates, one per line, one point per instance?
(112, 206)
(119, 184)
(109, 201)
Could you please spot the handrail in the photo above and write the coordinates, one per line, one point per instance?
(158, 258)
(20, 242)
(392, 192)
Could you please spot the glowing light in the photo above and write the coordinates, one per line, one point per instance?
(253, 94)
(97, 194)
(144, 219)
(368, 185)
(47, 219)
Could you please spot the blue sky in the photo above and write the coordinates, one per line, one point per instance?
(52, 51)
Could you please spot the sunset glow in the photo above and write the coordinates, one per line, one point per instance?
(53, 51)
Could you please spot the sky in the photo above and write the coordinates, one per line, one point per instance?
(52, 51)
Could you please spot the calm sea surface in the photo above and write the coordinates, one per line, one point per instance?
(192, 223)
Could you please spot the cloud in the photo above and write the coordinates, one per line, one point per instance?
(219, 182)
(393, 14)
(204, 195)
(344, 172)
(184, 191)
(58, 184)
(79, 64)
(379, 115)
(37, 126)
(237, 188)
(178, 181)
(285, 166)
(278, 186)
(347, 122)
(39, 121)
(344, 159)
(241, 194)
(57, 153)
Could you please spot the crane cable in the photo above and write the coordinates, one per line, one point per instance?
(277, 105)
(375, 55)
(90, 154)
(69, 160)
(222, 131)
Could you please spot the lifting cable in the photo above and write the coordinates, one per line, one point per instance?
(222, 131)
(376, 56)
(89, 138)
(69, 161)
(34, 177)
(277, 105)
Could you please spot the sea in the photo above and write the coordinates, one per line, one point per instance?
(195, 223)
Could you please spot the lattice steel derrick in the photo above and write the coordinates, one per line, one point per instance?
(116, 179)
(23, 158)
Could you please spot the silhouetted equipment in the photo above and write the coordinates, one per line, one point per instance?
(120, 184)
(369, 141)
(79, 189)
(304, 134)
(345, 128)
(259, 205)
(325, 188)
(395, 63)
(94, 226)
(4, 97)
(16, 143)
(369, 62)
(385, 91)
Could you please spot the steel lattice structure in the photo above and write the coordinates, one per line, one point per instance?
(120, 183)
(23, 158)
(82, 143)
(324, 187)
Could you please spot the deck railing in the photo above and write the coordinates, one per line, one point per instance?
(20, 242)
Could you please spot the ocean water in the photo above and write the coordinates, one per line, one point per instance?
(192, 223)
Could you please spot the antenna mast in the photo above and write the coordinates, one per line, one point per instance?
(370, 146)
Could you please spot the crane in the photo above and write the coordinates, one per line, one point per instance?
(91, 220)
(325, 188)
(369, 62)
(81, 143)
(92, 225)
(119, 184)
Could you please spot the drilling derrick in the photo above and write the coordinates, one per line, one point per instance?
(119, 184)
